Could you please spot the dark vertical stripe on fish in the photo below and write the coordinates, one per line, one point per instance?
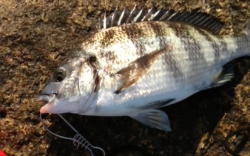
(133, 32)
(159, 33)
(191, 45)
(223, 46)
(196, 58)
(108, 37)
(242, 42)
(169, 59)
(215, 46)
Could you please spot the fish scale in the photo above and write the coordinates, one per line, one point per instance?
(201, 53)
(143, 60)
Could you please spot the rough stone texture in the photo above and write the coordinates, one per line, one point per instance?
(36, 36)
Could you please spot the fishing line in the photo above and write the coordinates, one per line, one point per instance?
(78, 139)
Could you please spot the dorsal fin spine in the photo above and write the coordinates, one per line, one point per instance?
(105, 21)
(139, 16)
(114, 16)
(121, 17)
(131, 14)
(155, 15)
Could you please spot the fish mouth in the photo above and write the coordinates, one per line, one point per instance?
(46, 98)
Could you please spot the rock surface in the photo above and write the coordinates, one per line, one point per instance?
(36, 36)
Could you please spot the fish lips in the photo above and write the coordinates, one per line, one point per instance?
(46, 99)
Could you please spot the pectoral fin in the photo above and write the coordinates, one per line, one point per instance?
(154, 118)
(137, 69)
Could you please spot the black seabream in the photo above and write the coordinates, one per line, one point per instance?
(141, 60)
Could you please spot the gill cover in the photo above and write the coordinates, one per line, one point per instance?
(72, 87)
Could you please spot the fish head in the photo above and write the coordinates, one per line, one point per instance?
(70, 88)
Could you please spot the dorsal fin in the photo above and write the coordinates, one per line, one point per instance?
(196, 18)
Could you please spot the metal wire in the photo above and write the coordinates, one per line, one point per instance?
(78, 139)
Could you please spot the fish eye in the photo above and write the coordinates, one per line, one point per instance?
(59, 75)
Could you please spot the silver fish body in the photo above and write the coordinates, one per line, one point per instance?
(132, 69)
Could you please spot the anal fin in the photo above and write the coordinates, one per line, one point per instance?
(154, 118)
(223, 77)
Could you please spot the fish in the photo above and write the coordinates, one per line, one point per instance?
(141, 60)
